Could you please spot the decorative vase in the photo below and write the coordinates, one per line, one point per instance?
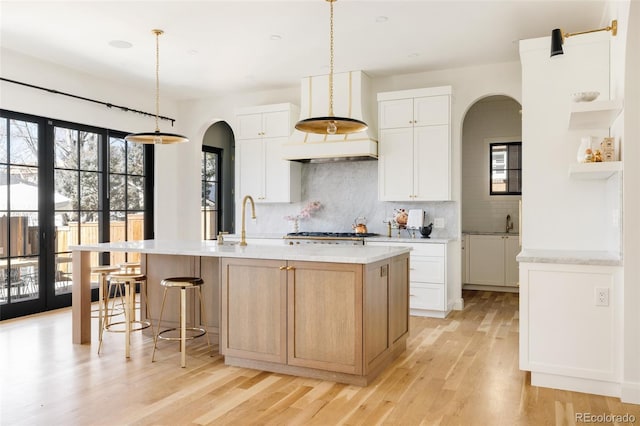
(295, 226)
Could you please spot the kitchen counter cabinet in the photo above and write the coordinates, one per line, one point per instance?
(337, 313)
(492, 260)
(334, 321)
(253, 317)
(429, 293)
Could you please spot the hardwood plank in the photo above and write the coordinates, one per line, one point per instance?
(462, 370)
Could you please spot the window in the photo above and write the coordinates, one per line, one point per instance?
(63, 184)
(505, 168)
(211, 192)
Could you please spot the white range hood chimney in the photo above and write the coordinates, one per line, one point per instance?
(351, 98)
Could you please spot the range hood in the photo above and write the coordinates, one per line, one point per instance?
(351, 98)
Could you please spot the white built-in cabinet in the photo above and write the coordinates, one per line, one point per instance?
(414, 146)
(492, 260)
(261, 171)
(428, 276)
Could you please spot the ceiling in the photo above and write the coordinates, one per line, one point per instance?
(214, 47)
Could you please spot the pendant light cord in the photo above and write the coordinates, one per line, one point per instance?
(157, 33)
(331, 61)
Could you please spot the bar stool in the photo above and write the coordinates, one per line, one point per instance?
(130, 267)
(103, 295)
(183, 284)
(129, 281)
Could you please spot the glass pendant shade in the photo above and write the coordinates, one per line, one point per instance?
(556, 42)
(156, 137)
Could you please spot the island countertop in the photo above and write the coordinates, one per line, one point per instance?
(315, 253)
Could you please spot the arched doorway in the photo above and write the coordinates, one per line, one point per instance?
(218, 180)
(490, 192)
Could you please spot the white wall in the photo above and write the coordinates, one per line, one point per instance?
(19, 98)
(493, 119)
(560, 212)
(626, 86)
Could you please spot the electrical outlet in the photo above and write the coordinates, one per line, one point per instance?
(438, 222)
(602, 297)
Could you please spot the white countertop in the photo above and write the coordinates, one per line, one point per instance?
(314, 253)
(380, 238)
(409, 240)
(570, 257)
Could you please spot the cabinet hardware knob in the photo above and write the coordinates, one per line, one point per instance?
(282, 268)
(290, 268)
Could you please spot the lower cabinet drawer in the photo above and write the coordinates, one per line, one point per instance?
(427, 269)
(426, 296)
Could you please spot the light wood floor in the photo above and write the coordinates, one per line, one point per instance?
(462, 370)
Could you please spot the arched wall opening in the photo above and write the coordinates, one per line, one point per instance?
(220, 135)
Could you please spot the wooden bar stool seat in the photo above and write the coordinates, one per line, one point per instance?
(185, 333)
(130, 323)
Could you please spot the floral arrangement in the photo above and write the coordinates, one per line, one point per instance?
(306, 212)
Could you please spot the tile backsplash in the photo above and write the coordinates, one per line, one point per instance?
(347, 190)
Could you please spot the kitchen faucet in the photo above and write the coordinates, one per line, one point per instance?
(243, 241)
(509, 223)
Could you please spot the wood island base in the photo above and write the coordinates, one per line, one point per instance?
(313, 373)
(344, 322)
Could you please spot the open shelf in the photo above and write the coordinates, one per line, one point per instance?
(593, 115)
(602, 170)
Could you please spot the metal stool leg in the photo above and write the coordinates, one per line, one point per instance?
(183, 326)
(155, 339)
(128, 312)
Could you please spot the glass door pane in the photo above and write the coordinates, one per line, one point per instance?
(127, 192)
(77, 183)
(19, 217)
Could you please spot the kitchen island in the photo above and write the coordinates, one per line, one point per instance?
(331, 312)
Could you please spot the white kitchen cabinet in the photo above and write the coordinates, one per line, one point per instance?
(428, 291)
(261, 171)
(270, 124)
(492, 260)
(568, 339)
(414, 146)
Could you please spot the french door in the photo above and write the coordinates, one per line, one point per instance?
(63, 184)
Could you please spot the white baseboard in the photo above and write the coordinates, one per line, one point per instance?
(458, 305)
(630, 393)
(575, 384)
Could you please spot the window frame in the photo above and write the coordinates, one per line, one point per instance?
(507, 169)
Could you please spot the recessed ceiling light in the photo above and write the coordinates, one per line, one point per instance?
(120, 44)
(275, 37)
(381, 19)
(192, 52)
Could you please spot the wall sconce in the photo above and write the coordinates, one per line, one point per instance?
(557, 36)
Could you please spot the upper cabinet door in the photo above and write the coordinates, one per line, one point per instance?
(275, 124)
(431, 110)
(396, 113)
(431, 180)
(249, 126)
(395, 169)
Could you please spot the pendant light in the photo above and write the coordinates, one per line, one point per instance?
(331, 125)
(156, 137)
